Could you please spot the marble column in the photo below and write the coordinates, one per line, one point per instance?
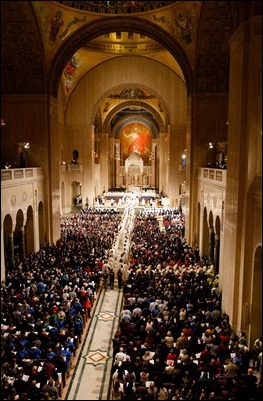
(177, 141)
(88, 185)
(103, 151)
(117, 165)
(153, 166)
(163, 162)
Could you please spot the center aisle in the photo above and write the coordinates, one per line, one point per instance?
(91, 377)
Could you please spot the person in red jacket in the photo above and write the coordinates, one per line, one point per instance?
(87, 305)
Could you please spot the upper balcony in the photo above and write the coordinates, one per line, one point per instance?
(16, 176)
(213, 176)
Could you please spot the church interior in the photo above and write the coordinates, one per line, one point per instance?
(162, 98)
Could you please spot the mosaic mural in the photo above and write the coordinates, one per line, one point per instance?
(136, 137)
(116, 7)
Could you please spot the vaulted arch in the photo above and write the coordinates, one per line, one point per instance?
(103, 26)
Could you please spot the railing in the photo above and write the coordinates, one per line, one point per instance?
(217, 176)
(13, 176)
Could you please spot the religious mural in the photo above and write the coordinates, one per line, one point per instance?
(116, 7)
(136, 137)
(69, 72)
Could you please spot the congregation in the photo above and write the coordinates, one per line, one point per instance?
(173, 341)
(46, 301)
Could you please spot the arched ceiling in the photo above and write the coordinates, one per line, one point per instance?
(124, 117)
(115, 29)
(131, 102)
(29, 65)
(121, 24)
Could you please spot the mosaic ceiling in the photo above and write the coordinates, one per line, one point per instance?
(116, 7)
(123, 42)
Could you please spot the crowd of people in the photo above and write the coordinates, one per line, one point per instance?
(46, 300)
(173, 341)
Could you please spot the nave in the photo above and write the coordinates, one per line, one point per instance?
(91, 378)
(169, 279)
(126, 339)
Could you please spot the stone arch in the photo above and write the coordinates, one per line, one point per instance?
(217, 244)
(211, 220)
(102, 26)
(29, 231)
(198, 224)
(41, 223)
(8, 241)
(211, 237)
(205, 233)
(115, 132)
(19, 240)
(76, 192)
(162, 125)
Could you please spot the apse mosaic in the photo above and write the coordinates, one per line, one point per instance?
(136, 137)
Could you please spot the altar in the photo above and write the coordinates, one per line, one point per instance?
(134, 172)
(134, 188)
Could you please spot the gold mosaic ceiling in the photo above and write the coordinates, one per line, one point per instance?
(116, 7)
(120, 42)
(28, 65)
(124, 43)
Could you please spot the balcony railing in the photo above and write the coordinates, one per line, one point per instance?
(14, 175)
(217, 176)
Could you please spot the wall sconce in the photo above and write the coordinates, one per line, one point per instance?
(211, 145)
(26, 145)
(2, 122)
(183, 160)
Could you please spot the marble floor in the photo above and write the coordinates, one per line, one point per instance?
(90, 377)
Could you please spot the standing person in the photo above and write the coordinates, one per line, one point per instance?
(162, 393)
(257, 348)
(117, 391)
(51, 388)
(119, 276)
(87, 305)
(152, 392)
(105, 277)
(112, 277)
